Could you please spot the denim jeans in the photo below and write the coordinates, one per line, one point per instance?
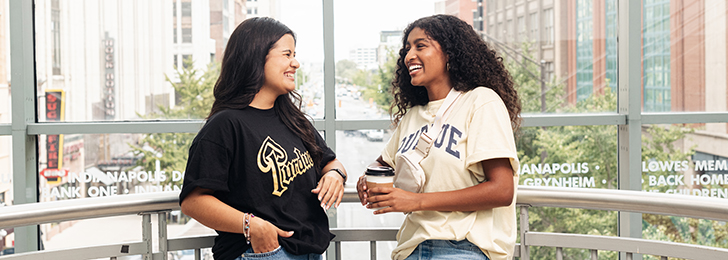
(447, 250)
(278, 254)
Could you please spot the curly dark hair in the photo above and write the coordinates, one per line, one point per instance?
(472, 64)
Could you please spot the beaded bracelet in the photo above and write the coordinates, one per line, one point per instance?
(246, 226)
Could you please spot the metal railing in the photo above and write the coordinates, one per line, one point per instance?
(161, 203)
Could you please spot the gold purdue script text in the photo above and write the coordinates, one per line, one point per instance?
(273, 159)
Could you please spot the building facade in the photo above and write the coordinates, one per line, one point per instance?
(225, 15)
(464, 9)
(512, 23)
(263, 8)
(365, 58)
(6, 194)
(389, 42)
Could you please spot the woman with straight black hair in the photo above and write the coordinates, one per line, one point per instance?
(258, 172)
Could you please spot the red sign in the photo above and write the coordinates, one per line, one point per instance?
(53, 105)
(53, 173)
(54, 143)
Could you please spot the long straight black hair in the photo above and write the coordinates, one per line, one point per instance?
(243, 73)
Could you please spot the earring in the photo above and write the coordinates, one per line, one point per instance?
(448, 66)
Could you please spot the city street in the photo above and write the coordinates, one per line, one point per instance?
(356, 152)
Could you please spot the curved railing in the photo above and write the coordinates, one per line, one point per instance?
(162, 202)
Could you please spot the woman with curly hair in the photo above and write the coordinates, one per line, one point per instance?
(466, 208)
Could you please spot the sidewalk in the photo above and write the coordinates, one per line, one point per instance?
(118, 229)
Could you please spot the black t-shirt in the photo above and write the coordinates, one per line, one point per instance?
(255, 164)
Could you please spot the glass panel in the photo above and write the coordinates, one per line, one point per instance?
(568, 156)
(119, 66)
(356, 149)
(86, 232)
(574, 46)
(6, 172)
(685, 160)
(7, 237)
(5, 104)
(684, 53)
(97, 165)
(305, 18)
(366, 52)
(152, 60)
(575, 157)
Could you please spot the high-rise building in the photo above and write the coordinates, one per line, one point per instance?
(191, 32)
(684, 53)
(389, 41)
(263, 8)
(462, 9)
(514, 22)
(225, 15)
(578, 41)
(365, 58)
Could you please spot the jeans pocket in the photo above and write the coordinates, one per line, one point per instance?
(464, 245)
(247, 255)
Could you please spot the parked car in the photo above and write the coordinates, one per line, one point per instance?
(374, 135)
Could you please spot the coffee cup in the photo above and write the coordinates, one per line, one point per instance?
(379, 176)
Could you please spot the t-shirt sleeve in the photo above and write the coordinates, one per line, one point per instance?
(327, 154)
(208, 162)
(490, 137)
(392, 146)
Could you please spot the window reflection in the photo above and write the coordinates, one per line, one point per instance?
(97, 165)
(685, 160)
(568, 156)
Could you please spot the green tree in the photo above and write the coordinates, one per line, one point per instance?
(194, 93)
(302, 76)
(527, 79)
(345, 70)
(363, 78)
(380, 88)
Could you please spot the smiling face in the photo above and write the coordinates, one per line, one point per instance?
(280, 67)
(425, 60)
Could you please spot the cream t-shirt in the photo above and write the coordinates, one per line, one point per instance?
(478, 128)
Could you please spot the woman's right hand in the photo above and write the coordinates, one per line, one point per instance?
(361, 189)
(264, 235)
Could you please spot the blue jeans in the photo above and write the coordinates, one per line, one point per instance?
(278, 254)
(447, 250)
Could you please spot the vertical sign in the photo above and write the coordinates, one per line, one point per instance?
(109, 79)
(54, 143)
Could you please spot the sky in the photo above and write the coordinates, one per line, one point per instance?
(356, 23)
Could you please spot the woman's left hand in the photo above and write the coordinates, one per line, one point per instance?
(330, 190)
(394, 200)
